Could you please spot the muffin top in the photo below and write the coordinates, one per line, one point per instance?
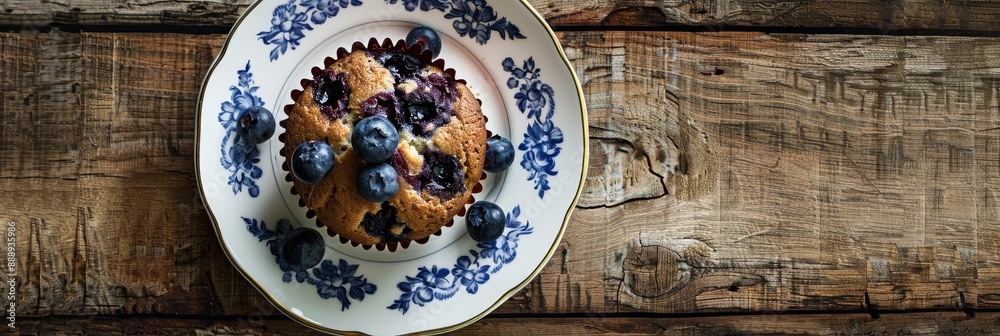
(439, 158)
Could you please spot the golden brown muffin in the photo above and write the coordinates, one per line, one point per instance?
(441, 151)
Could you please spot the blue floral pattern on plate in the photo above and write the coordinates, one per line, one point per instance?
(408, 290)
(473, 18)
(542, 138)
(468, 272)
(239, 157)
(289, 22)
(331, 281)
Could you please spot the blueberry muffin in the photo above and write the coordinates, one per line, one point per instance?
(440, 154)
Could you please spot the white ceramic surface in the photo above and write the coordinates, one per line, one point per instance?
(512, 62)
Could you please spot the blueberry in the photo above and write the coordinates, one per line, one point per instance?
(385, 225)
(426, 35)
(331, 92)
(383, 104)
(500, 154)
(484, 221)
(377, 182)
(255, 125)
(442, 175)
(425, 109)
(375, 139)
(421, 118)
(419, 113)
(401, 65)
(312, 161)
(301, 249)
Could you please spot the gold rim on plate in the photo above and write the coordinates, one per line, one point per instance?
(503, 298)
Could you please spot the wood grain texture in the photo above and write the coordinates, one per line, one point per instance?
(97, 173)
(714, 15)
(732, 172)
(31, 14)
(931, 323)
(748, 172)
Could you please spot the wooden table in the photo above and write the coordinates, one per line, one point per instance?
(757, 166)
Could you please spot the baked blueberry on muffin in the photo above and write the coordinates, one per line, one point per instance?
(408, 142)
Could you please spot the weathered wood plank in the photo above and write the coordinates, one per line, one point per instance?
(880, 16)
(940, 323)
(729, 172)
(97, 173)
(773, 172)
(31, 14)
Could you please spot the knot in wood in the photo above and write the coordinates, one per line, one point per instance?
(652, 270)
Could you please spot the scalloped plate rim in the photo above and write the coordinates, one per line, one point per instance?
(314, 325)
